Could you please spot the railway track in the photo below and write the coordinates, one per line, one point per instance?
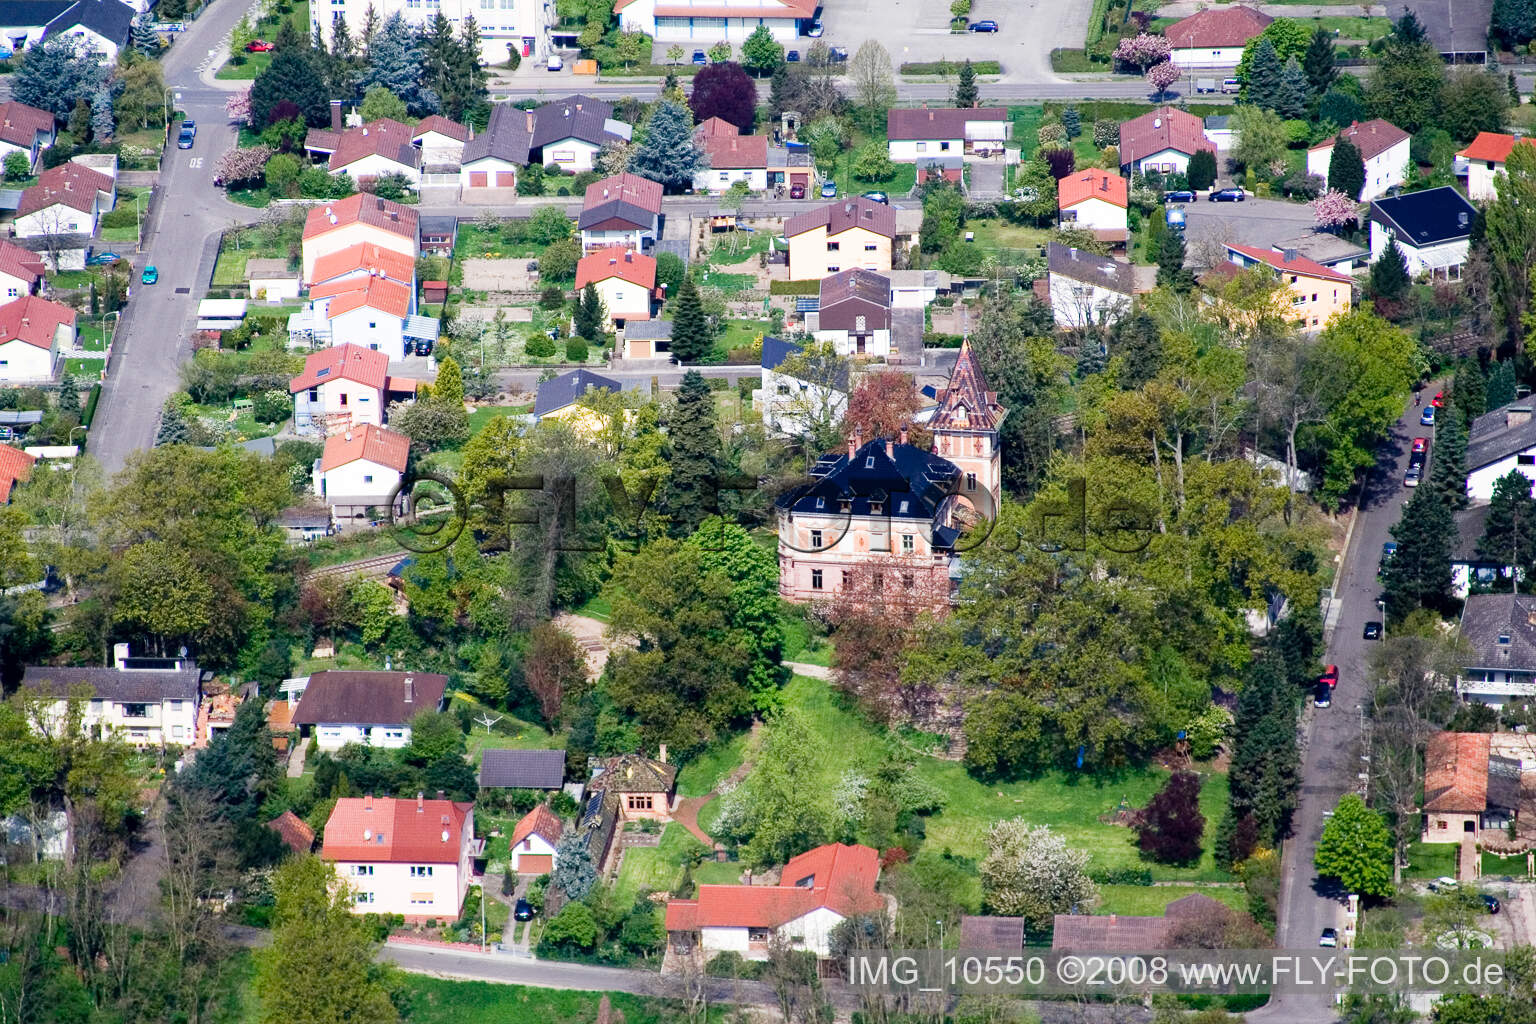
(379, 565)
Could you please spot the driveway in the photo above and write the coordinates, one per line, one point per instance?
(987, 177)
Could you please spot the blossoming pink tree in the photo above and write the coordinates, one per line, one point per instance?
(238, 107)
(242, 166)
(1333, 209)
(1143, 51)
(1161, 76)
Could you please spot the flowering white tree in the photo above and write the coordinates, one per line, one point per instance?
(1161, 76)
(1142, 51)
(238, 107)
(1333, 209)
(1030, 872)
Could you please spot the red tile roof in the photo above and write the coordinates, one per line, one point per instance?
(1092, 184)
(295, 832)
(19, 262)
(967, 389)
(385, 137)
(736, 152)
(378, 293)
(838, 877)
(1371, 138)
(33, 320)
(841, 216)
(385, 830)
(1160, 129)
(443, 126)
(364, 256)
(715, 126)
(907, 123)
(70, 183)
(378, 445)
(616, 261)
(351, 362)
(1299, 265)
(19, 123)
(540, 821)
(1217, 26)
(15, 465)
(1456, 772)
(628, 188)
(362, 207)
(1493, 146)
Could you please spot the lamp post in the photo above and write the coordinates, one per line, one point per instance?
(1381, 605)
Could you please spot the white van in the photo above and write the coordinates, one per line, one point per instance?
(1205, 85)
(555, 63)
(1231, 85)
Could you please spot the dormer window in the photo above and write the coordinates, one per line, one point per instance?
(1504, 639)
(845, 506)
(876, 508)
(821, 502)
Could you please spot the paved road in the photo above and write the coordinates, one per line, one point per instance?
(1331, 766)
(181, 239)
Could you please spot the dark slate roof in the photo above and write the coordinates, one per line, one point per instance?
(575, 117)
(599, 820)
(615, 210)
(368, 698)
(909, 482)
(31, 13)
(1090, 268)
(559, 392)
(991, 933)
(522, 769)
(1454, 26)
(1486, 618)
(1430, 217)
(109, 19)
(776, 350)
(300, 518)
(446, 225)
(648, 330)
(853, 293)
(1470, 524)
(1501, 433)
(115, 683)
(506, 137)
(634, 773)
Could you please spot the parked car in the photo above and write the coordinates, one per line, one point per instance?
(1420, 444)
(1180, 195)
(1412, 477)
(1438, 402)
(101, 259)
(797, 191)
(1330, 675)
(829, 190)
(151, 275)
(792, 57)
(1329, 939)
(1427, 417)
(815, 30)
(1490, 903)
(1231, 86)
(555, 63)
(258, 46)
(877, 197)
(1372, 630)
(1322, 696)
(985, 25)
(1387, 551)
(523, 911)
(187, 136)
(1445, 883)
(699, 57)
(839, 55)
(1228, 195)
(423, 347)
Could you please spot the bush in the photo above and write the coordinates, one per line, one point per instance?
(576, 350)
(558, 260)
(1122, 876)
(551, 298)
(540, 346)
(125, 216)
(272, 406)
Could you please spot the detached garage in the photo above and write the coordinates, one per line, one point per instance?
(534, 841)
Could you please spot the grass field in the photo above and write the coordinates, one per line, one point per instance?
(655, 868)
(256, 63)
(483, 415)
(999, 234)
(437, 1001)
(1150, 900)
(84, 367)
(1431, 860)
(705, 769)
(1513, 867)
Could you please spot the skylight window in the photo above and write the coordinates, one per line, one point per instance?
(869, 462)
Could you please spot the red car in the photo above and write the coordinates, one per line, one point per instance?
(1439, 400)
(1420, 444)
(258, 46)
(797, 191)
(1330, 675)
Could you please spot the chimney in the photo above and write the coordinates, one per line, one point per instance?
(1157, 122)
(890, 450)
(853, 446)
(440, 796)
(348, 435)
(1461, 219)
(629, 257)
(1074, 252)
(368, 802)
(903, 435)
(335, 115)
(420, 805)
(1515, 415)
(410, 690)
(1104, 183)
(661, 754)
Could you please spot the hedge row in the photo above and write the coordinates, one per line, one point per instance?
(794, 287)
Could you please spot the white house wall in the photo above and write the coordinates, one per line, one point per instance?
(911, 151)
(1076, 304)
(1414, 256)
(1382, 171)
(23, 361)
(1096, 213)
(358, 479)
(375, 166)
(335, 736)
(1208, 57)
(1481, 479)
(370, 328)
(720, 180)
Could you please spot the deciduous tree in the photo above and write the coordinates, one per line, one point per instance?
(555, 669)
(1356, 848)
(725, 91)
(761, 52)
(873, 82)
(1169, 829)
(1030, 872)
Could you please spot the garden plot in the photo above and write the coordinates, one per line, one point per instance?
(485, 275)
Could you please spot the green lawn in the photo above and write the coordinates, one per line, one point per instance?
(1349, 28)
(1514, 867)
(598, 607)
(256, 63)
(716, 872)
(84, 367)
(748, 246)
(483, 415)
(437, 1001)
(705, 769)
(1431, 860)
(731, 284)
(229, 271)
(738, 334)
(655, 868)
(91, 337)
(475, 240)
(999, 234)
(1150, 900)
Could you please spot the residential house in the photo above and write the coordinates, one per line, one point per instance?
(359, 218)
(341, 387)
(368, 151)
(268, 279)
(914, 136)
(1468, 789)
(441, 143)
(1214, 38)
(522, 769)
(1092, 933)
(1326, 248)
(372, 311)
(817, 890)
(360, 471)
(647, 339)
(147, 702)
(1433, 228)
(439, 234)
(97, 26)
(1383, 147)
(533, 842)
(15, 467)
(1500, 634)
(1087, 289)
(598, 824)
(645, 786)
(21, 271)
(1485, 158)
(294, 832)
(302, 525)
(62, 209)
(1467, 566)
(855, 232)
(623, 210)
(23, 22)
(25, 130)
(915, 289)
(511, 26)
(492, 160)
(1497, 442)
(559, 398)
(888, 508)
(855, 314)
(1317, 293)
(785, 397)
(625, 281)
(707, 23)
(991, 933)
(1162, 140)
(34, 332)
(371, 708)
(569, 132)
(732, 156)
(1095, 200)
(408, 857)
(357, 263)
